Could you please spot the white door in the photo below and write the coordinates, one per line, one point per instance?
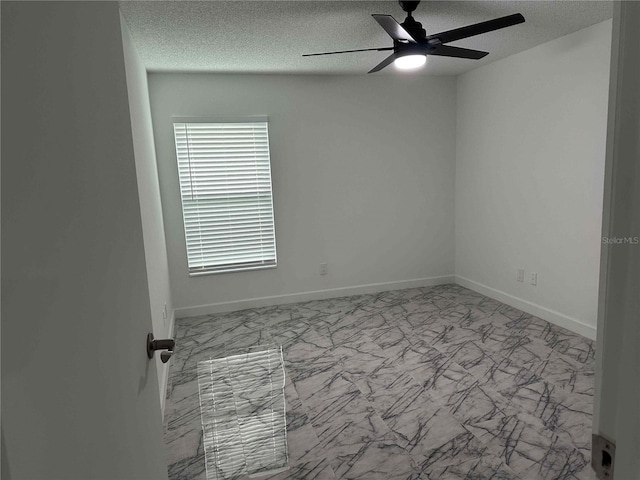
(79, 396)
(617, 398)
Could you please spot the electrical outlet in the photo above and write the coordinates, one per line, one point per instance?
(323, 269)
(520, 276)
(534, 278)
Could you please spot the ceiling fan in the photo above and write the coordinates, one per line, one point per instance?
(411, 44)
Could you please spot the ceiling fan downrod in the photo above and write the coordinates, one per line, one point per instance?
(410, 24)
(408, 5)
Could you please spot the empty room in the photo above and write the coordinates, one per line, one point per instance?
(320, 240)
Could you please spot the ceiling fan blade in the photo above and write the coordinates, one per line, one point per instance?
(393, 28)
(349, 51)
(449, 51)
(475, 29)
(386, 62)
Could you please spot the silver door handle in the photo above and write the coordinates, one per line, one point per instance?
(164, 344)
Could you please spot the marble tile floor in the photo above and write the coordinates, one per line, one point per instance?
(426, 383)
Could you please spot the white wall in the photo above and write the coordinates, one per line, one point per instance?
(79, 396)
(363, 178)
(617, 393)
(155, 246)
(529, 176)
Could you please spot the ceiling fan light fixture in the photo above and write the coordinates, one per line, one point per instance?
(412, 45)
(410, 62)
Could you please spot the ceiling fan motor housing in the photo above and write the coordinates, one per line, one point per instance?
(414, 28)
(403, 49)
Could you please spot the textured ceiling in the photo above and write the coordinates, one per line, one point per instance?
(270, 36)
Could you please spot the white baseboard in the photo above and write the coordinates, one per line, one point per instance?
(547, 314)
(308, 296)
(165, 366)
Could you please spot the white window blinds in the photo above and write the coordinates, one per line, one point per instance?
(225, 185)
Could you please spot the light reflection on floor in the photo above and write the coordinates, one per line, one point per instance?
(242, 408)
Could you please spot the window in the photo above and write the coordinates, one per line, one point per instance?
(225, 186)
